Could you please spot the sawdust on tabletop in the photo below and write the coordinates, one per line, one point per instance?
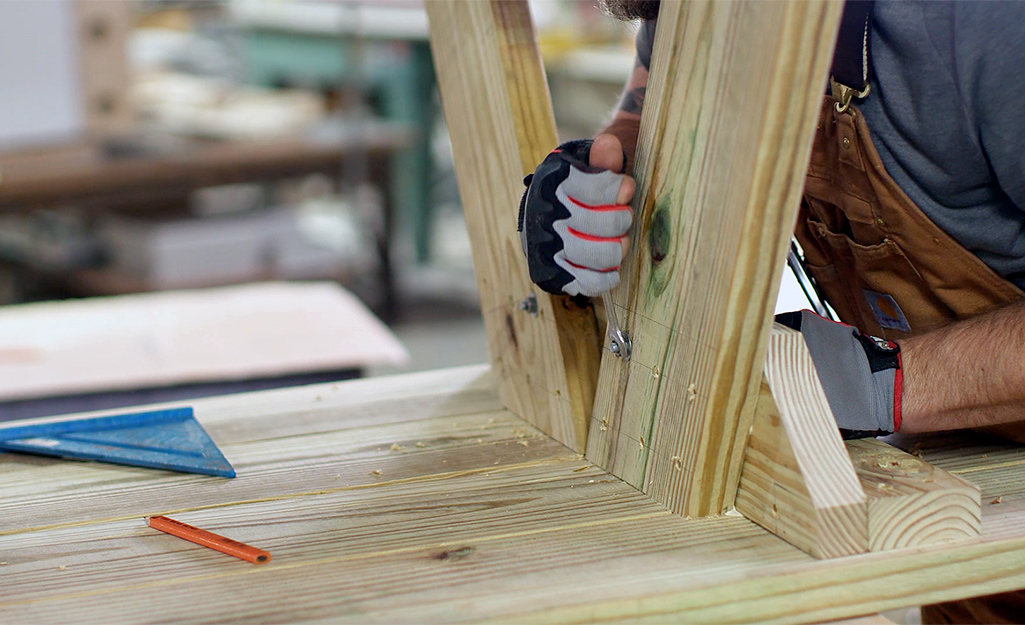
(375, 472)
(396, 447)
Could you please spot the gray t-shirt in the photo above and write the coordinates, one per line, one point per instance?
(947, 115)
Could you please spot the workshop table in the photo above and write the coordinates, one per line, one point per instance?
(420, 499)
(150, 174)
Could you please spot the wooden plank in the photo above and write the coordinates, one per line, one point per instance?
(797, 480)
(910, 502)
(84, 173)
(500, 120)
(322, 445)
(725, 137)
(800, 482)
(498, 539)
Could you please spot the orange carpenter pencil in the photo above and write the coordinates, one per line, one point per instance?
(208, 539)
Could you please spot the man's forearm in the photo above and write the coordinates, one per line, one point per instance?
(967, 374)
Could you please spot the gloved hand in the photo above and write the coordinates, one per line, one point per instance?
(860, 374)
(571, 225)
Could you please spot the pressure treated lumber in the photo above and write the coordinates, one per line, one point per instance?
(797, 480)
(802, 483)
(910, 502)
(500, 120)
(460, 529)
(725, 137)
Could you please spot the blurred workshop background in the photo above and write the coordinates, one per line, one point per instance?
(158, 156)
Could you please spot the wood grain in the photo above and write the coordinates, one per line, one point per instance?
(461, 530)
(725, 136)
(910, 502)
(797, 480)
(500, 120)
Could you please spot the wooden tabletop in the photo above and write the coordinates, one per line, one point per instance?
(139, 170)
(420, 499)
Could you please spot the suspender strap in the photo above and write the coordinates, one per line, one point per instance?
(850, 61)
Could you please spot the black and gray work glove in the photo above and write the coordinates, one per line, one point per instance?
(570, 225)
(860, 374)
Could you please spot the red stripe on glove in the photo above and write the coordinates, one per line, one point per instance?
(599, 207)
(616, 268)
(591, 237)
(898, 389)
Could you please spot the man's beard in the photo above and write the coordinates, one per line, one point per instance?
(630, 9)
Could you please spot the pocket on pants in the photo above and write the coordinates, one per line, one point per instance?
(875, 287)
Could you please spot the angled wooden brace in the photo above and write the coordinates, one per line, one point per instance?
(802, 483)
(729, 114)
(544, 350)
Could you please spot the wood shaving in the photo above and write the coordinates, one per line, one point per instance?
(396, 447)
(419, 444)
(692, 392)
(375, 472)
(996, 500)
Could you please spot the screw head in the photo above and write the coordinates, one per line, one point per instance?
(529, 305)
